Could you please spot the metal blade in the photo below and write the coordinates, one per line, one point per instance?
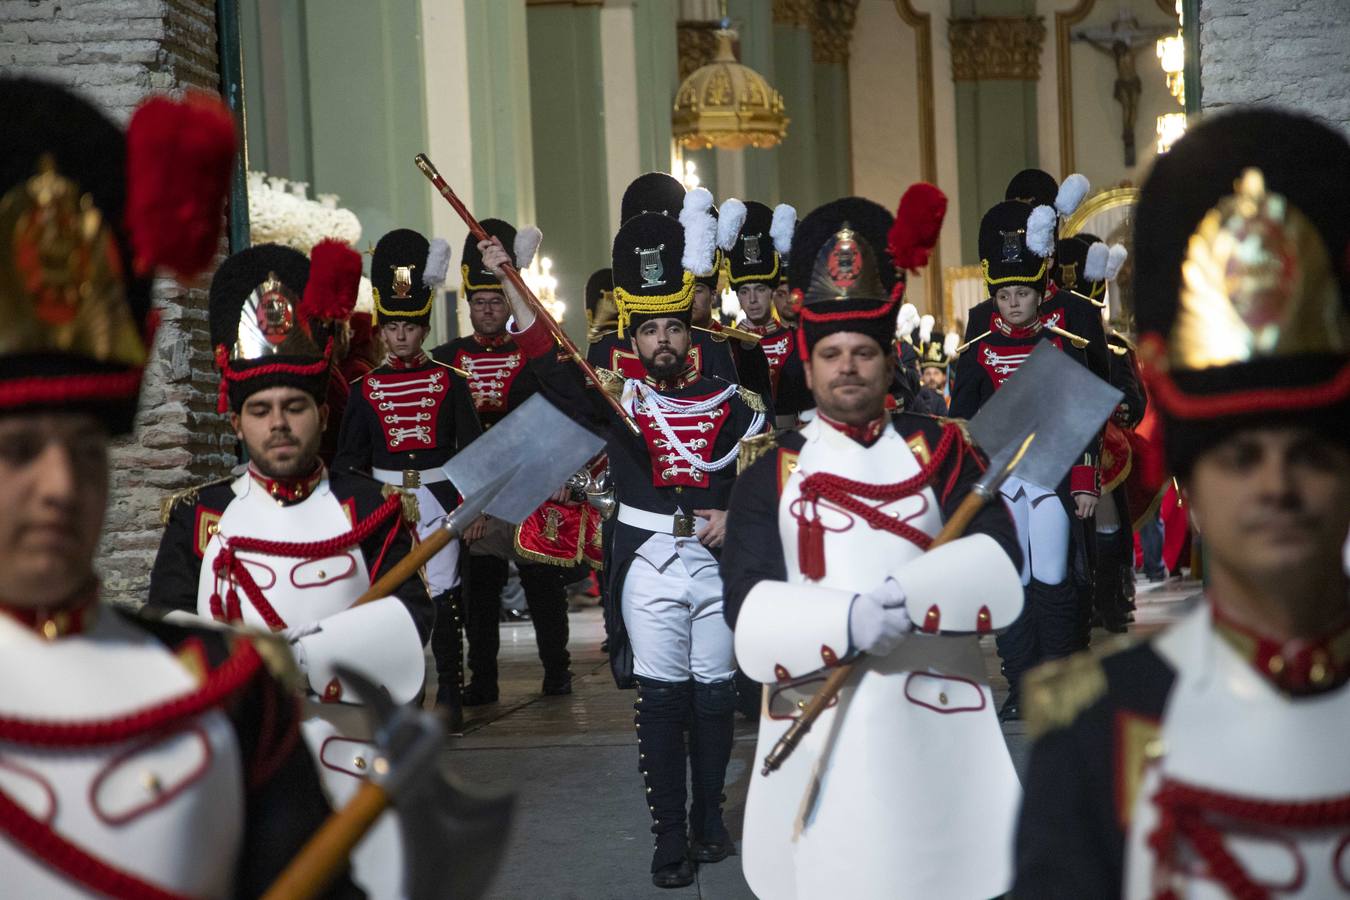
(536, 445)
(473, 506)
(1055, 398)
(454, 840)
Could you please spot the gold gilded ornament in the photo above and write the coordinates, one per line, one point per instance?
(1256, 282)
(61, 277)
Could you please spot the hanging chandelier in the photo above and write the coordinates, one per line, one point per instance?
(727, 105)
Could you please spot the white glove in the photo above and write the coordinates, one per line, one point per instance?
(878, 619)
(296, 632)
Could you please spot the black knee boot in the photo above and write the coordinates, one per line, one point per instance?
(1058, 628)
(484, 578)
(546, 595)
(1109, 586)
(710, 738)
(663, 713)
(447, 646)
(1018, 651)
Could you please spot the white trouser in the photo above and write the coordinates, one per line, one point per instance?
(672, 607)
(1042, 529)
(442, 570)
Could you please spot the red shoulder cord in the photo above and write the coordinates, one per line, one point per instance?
(849, 495)
(72, 861)
(1184, 811)
(228, 566)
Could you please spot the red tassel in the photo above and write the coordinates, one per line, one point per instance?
(811, 548)
(180, 155)
(233, 612)
(217, 609)
(334, 279)
(917, 224)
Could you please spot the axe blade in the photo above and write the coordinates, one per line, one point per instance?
(538, 443)
(1055, 398)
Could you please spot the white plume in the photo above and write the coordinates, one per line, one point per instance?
(784, 224)
(700, 232)
(1095, 267)
(526, 243)
(1041, 231)
(926, 324)
(908, 320)
(950, 343)
(1071, 193)
(438, 263)
(729, 221)
(1114, 260)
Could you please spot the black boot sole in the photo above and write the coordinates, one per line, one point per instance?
(714, 852)
(676, 875)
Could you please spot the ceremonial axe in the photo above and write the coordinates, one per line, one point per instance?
(1037, 424)
(506, 473)
(453, 841)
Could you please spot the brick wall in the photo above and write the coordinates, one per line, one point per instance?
(1290, 52)
(116, 52)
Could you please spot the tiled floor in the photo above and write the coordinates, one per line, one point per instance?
(581, 828)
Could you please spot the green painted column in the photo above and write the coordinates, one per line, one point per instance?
(834, 149)
(499, 111)
(655, 45)
(567, 116)
(995, 129)
(272, 39)
(753, 20)
(799, 169)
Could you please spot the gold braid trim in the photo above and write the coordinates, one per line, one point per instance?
(380, 309)
(772, 276)
(610, 381)
(752, 448)
(412, 513)
(1055, 693)
(653, 304)
(167, 504)
(466, 286)
(752, 399)
(1024, 279)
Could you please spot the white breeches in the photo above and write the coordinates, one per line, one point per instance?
(442, 570)
(672, 608)
(1042, 529)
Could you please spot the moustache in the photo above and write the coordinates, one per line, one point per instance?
(273, 443)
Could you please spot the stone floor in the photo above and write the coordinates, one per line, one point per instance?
(581, 827)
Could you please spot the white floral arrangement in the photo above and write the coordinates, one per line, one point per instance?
(281, 212)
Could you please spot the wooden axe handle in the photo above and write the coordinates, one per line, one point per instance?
(319, 861)
(952, 529)
(404, 569)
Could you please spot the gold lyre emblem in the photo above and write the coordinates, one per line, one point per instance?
(402, 281)
(61, 276)
(1068, 275)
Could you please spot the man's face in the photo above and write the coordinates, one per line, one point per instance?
(663, 346)
(53, 495)
(782, 301)
(488, 312)
(701, 313)
(848, 375)
(404, 339)
(934, 378)
(281, 428)
(1272, 501)
(1017, 304)
(757, 301)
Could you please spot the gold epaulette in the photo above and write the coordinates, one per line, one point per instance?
(752, 448)
(599, 333)
(1057, 692)
(727, 331)
(1078, 342)
(1118, 351)
(167, 504)
(611, 381)
(974, 340)
(962, 424)
(412, 514)
(752, 399)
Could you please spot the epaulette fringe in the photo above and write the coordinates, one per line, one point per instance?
(752, 448)
(1056, 693)
(752, 399)
(167, 504)
(411, 512)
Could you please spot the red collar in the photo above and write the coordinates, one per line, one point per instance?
(771, 328)
(74, 617)
(866, 434)
(1294, 667)
(492, 341)
(289, 490)
(675, 382)
(399, 365)
(1001, 325)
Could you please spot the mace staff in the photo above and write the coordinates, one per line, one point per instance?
(513, 276)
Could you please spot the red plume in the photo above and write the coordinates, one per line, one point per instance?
(917, 223)
(334, 279)
(179, 158)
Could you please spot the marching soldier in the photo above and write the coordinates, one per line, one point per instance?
(407, 417)
(141, 758)
(1209, 761)
(905, 787)
(1016, 246)
(602, 316)
(552, 541)
(286, 546)
(935, 356)
(673, 484)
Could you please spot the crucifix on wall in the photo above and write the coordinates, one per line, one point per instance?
(1121, 40)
